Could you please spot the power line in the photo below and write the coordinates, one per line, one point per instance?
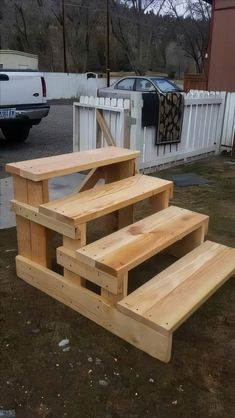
(81, 6)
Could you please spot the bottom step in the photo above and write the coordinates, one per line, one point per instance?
(172, 296)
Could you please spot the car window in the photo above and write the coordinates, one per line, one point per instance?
(126, 84)
(144, 85)
(165, 85)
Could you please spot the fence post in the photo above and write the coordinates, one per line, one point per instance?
(76, 130)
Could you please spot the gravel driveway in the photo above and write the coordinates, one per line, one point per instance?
(52, 136)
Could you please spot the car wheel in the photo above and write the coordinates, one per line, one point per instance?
(16, 133)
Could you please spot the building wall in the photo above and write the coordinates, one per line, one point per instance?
(221, 73)
(18, 60)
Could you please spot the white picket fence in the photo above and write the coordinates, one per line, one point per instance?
(86, 133)
(228, 133)
(71, 85)
(204, 124)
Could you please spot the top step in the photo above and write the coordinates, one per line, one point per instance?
(167, 300)
(60, 165)
(79, 208)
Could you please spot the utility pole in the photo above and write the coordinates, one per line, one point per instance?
(107, 44)
(64, 38)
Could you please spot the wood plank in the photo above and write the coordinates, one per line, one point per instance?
(95, 308)
(91, 179)
(31, 213)
(60, 165)
(124, 216)
(192, 279)
(66, 258)
(161, 201)
(104, 199)
(22, 225)
(74, 244)
(37, 193)
(105, 128)
(129, 247)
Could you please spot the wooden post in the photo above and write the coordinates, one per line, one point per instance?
(160, 201)
(33, 239)
(22, 224)
(113, 299)
(40, 236)
(74, 244)
(115, 172)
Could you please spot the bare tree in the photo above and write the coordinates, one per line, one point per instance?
(135, 35)
(21, 27)
(193, 22)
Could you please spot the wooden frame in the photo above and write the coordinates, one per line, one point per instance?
(108, 261)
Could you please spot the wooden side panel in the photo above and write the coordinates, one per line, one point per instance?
(95, 308)
(22, 225)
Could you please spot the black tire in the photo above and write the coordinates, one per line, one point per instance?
(17, 132)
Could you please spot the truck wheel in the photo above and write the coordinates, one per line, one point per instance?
(16, 133)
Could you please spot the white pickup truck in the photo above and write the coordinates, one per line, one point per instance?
(22, 102)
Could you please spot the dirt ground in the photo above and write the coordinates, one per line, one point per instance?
(101, 375)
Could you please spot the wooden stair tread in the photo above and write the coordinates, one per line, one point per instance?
(82, 207)
(60, 165)
(168, 299)
(132, 245)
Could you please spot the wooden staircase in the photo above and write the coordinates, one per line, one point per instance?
(148, 316)
(167, 300)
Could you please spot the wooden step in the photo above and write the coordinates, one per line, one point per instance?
(79, 208)
(60, 165)
(167, 300)
(125, 249)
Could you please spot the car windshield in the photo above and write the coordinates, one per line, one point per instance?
(164, 85)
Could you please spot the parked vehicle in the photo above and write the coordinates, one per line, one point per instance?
(126, 85)
(23, 102)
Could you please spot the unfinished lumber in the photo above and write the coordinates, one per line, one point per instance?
(92, 204)
(66, 258)
(124, 216)
(94, 307)
(125, 249)
(168, 299)
(60, 165)
(91, 179)
(104, 128)
(31, 213)
(40, 236)
(74, 244)
(22, 225)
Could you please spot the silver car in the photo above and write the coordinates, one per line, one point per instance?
(126, 85)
